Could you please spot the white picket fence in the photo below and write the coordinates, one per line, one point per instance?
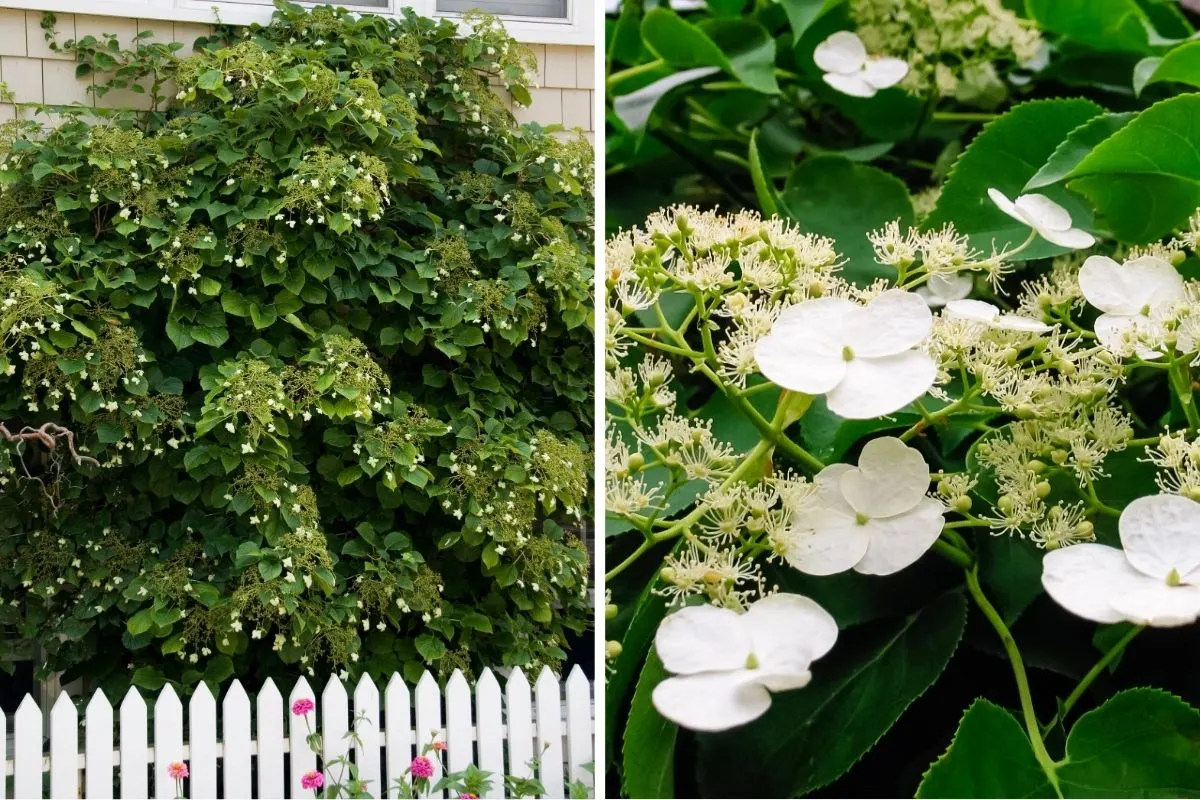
(261, 750)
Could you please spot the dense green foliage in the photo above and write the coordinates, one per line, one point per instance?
(724, 108)
(323, 318)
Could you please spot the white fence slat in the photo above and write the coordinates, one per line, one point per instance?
(168, 740)
(202, 743)
(549, 745)
(366, 750)
(489, 721)
(429, 722)
(27, 750)
(64, 748)
(134, 746)
(335, 711)
(518, 706)
(98, 744)
(579, 726)
(397, 730)
(235, 740)
(302, 758)
(270, 715)
(460, 751)
(4, 753)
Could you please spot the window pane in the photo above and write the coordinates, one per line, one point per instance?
(553, 9)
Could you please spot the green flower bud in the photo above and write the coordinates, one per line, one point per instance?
(961, 504)
(610, 611)
(612, 649)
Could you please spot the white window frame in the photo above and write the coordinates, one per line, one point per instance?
(579, 28)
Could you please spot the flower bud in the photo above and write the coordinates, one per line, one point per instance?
(961, 504)
(1036, 467)
(1004, 504)
(636, 462)
(610, 611)
(667, 574)
(1043, 489)
(1059, 456)
(1085, 529)
(612, 649)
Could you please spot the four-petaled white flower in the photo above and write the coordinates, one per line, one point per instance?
(847, 67)
(726, 664)
(874, 518)
(1154, 581)
(986, 314)
(863, 358)
(1132, 296)
(941, 289)
(1047, 218)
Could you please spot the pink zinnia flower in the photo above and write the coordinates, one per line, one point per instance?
(177, 770)
(312, 780)
(422, 767)
(302, 707)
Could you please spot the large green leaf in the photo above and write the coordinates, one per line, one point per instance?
(1181, 65)
(828, 436)
(1141, 743)
(1102, 24)
(1076, 147)
(812, 735)
(845, 200)
(990, 756)
(803, 13)
(740, 47)
(1145, 178)
(1005, 155)
(648, 755)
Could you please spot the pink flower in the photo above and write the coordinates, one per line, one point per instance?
(312, 780)
(302, 707)
(439, 746)
(177, 770)
(467, 796)
(422, 767)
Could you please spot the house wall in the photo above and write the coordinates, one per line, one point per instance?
(36, 74)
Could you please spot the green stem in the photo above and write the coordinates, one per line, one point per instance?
(1092, 674)
(634, 556)
(1018, 665)
(1181, 382)
(963, 116)
(953, 553)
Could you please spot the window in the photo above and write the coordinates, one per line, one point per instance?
(543, 9)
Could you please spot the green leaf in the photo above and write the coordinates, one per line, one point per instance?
(1078, 144)
(648, 754)
(990, 756)
(747, 52)
(1145, 178)
(803, 13)
(140, 622)
(430, 647)
(1100, 24)
(109, 432)
(829, 437)
(1005, 155)
(835, 197)
(811, 736)
(635, 108)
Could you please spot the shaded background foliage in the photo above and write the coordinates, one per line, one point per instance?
(323, 318)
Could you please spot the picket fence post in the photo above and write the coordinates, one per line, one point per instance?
(259, 748)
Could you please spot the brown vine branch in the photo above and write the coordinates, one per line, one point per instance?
(48, 436)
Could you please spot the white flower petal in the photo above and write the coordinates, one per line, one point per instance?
(891, 478)
(1084, 578)
(1016, 322)
(1042, 213)
(1161, 533)
(893, 322)
(1159, 605)
(712, 701)
(829, 489)
(1072, 238)
(1102, 284)
(854, 85)
(874, 387)
(783, 681)
(949, 287)
(843, 52)
(702, 639)
(789, 632)
(884, 72)
(1151, 281)
(899, 541)
(971, 311)
(826, 542)
(1004, 204)
(803, 352)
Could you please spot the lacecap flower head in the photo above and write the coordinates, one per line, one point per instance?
(727, 664)
(1134, 297)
